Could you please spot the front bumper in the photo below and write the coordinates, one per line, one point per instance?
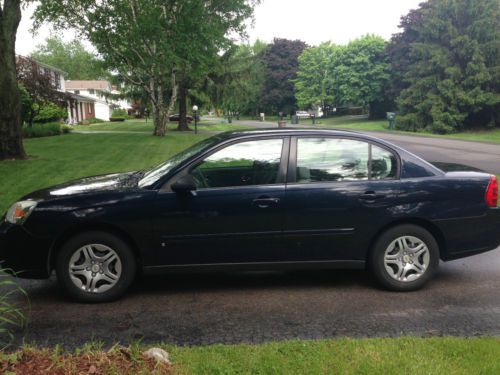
(22, 253)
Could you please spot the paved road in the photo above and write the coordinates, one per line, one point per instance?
(482, 155)
(464, 299)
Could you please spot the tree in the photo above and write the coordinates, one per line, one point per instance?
(280, 69)
(149, 41)
(237, 83)
(362, 74)
(11, 144)
(450, 80)
(315, 82)
(355, 74)
(71, 57)
(39, 86)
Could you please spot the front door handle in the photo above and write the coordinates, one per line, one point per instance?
(265, 202)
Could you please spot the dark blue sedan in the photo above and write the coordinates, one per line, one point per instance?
(275, 199)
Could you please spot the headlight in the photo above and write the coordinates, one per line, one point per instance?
(20, 211)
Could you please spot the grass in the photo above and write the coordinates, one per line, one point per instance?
(439, 355)
(59, 159)
(382, 126)
(147, 127)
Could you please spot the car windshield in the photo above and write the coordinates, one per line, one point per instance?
(153, 175)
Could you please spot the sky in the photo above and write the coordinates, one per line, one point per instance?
(313, 21)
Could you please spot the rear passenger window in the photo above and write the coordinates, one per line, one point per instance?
(331, 159)
(337, 159)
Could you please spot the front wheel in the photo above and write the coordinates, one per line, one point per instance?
(95, 267)
(405, 257)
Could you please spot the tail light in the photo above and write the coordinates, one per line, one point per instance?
(491, 196)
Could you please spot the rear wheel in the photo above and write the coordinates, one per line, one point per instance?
(95, 267)
(405, 257)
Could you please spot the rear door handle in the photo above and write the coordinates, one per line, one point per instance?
(371, 196)
(265, 202)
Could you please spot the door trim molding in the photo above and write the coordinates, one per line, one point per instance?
(257, 266)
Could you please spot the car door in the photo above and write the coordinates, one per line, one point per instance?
(236, 213)
(339, 192)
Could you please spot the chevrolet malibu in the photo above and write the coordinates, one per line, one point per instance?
(269, 199)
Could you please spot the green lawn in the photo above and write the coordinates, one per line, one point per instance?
(62, 158)
(346, 356)
(406, 355)
(143, 126)
(381, 125)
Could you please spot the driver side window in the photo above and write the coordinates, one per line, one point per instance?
(240, 164)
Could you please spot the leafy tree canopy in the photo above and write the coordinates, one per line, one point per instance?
(355, 74)
(71, 57)
(237, 83)
(315, 83)
(281, 63)
(447, 64)
(150, 42)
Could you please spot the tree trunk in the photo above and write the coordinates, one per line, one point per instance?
(159, 117)
(183, 124)
(11, 142)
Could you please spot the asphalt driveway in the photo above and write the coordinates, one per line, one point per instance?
(464, 299)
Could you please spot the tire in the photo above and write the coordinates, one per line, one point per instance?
(404, 258)
(103, 267)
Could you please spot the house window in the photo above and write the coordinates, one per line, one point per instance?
(57, 80)
(77, 92)
(91, 92)
(89, 108)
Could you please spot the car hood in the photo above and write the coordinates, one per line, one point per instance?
(109, 182)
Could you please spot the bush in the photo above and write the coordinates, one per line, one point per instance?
(26, 103)
(43, 130)
(95, 120)
(11, 316)
(65, 128)
(116, 119)
(119, 113)
(50, 112)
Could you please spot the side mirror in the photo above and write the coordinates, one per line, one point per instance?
(185, 184)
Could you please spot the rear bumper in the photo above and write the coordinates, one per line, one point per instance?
(22, 253)
(470, 236)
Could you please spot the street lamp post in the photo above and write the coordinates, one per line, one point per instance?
(195, 111)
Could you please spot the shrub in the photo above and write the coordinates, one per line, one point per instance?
(95, 120)
(65, 128)
(119, 113)
(11, 315)
(116, 119)
(49, 112)
(42, 130)
(26, 103)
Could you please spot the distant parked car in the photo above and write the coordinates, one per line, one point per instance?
(176, 117)
(275, 199)
(302, 114)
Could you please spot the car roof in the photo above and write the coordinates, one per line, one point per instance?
(236, 134)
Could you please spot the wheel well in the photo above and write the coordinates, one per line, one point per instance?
(433, 229)
(71, 232)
